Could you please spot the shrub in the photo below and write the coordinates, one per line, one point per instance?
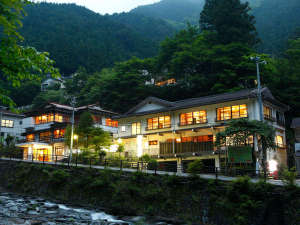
(289, 177)
(152, 164)
(145, 158)
(195, 167)
(58, 177)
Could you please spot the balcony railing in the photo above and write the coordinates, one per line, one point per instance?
(185, 147)
(194, 122)
(159, 127)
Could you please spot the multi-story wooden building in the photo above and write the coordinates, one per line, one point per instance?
(171, 130)
(46, 128)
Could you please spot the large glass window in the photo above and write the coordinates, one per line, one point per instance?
(193, 118)
(48, 118)
(268, 113)
(232, 112)
(136, 128)
(159, 122)
(7, 123)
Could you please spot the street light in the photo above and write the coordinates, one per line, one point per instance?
(259, 61)
(73, 102)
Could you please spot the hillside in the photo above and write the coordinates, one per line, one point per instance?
(76, 36)
(276, 20)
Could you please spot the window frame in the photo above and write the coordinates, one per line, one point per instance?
(7, 123)
(202, 120)
(222, 114)
(156, 122)
(137, 129)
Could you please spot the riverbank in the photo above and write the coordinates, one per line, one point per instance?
(184, 199)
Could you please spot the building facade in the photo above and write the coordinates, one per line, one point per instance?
(11, 125)
(46, 127)
(187, 129)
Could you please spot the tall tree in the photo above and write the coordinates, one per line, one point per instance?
(18, 63)
(230, 21)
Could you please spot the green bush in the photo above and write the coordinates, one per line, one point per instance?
(152, 164)
(195, 167)
(289, 177)
(58, 177)
(145, 158)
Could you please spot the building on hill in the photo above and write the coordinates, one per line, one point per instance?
(11, 124)
(50, 81)
(172, 131)
(45, 130)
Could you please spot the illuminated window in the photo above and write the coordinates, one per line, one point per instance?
(279, 141)
(30, 137)
(136, 128)
(159, 122)
(7, 123)
(111, 123)
(123, 128)
(267, 112)
(45, 136)
(232, 112)
(153, 142)
(59, 133)
(48, 118)
(193, 118)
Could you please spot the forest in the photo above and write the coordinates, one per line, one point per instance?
(210, 57)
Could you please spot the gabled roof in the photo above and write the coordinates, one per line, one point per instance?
(206, 100)
(151, 100)
(6, 112)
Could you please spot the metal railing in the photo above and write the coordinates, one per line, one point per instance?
(137, 165)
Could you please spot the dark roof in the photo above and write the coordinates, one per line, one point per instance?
(67, 109)
(207, 100)
(295, 123)
(10, 113)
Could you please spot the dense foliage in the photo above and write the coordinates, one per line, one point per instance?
(76, 36)
(276, 20)
(18, 63)
(187, 200)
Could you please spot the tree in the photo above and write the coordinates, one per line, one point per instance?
(238, 132)
(230, 21)
(18, 63)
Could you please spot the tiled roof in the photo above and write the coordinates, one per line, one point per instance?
(201, 101)
(10, 113)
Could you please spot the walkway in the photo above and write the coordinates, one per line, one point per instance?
(204, 176)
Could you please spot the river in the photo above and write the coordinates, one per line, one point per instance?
(17, 209)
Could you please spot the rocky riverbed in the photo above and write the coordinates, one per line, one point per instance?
(16, 209)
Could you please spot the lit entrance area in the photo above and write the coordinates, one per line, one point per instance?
(37, 151)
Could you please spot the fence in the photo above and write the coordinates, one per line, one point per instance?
(120, 164)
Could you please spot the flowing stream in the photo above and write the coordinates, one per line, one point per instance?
(16, 209)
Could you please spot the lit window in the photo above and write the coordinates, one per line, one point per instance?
(136, 128)
(30, 137)
(48, 118)
(232, 112)
(193, 118)
(59, 133)
(279, 141)
(267, 112)
(7, 123)
(123, 128)
(153, 142)
(111, 123)
(159, 122)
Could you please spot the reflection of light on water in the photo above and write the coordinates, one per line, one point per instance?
(273, 165)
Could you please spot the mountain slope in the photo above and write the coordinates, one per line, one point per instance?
(76, 36)
(276, 20)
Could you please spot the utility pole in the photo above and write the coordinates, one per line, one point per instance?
(261, 113)
(73, 102)
(258, 61)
